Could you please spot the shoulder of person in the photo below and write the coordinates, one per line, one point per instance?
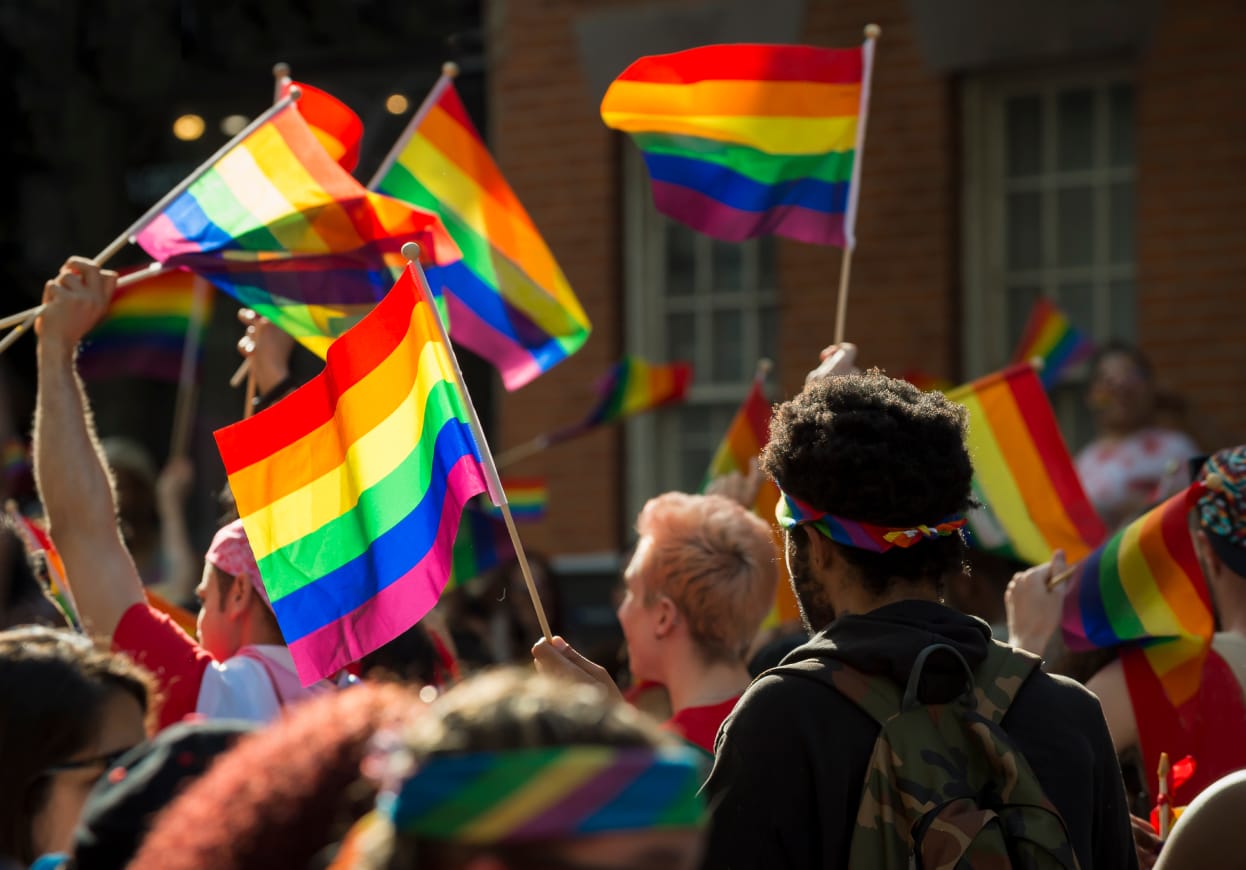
(1063, 694)
(783, 698)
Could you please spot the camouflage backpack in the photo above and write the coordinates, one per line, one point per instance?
(945, 787)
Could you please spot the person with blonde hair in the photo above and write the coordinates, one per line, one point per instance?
(698, 587)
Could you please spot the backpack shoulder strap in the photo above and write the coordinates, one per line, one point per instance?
(999, 679)
(878, 696)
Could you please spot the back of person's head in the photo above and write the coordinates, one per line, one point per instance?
(56, 688)
(283, 794)
(716, 561)
(518, 771)
(1221, 512)
(872, 449)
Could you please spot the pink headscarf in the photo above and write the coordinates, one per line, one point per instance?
(231, 553)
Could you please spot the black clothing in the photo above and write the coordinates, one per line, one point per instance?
(791, 758)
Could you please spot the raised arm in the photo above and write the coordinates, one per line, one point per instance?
(69, 467)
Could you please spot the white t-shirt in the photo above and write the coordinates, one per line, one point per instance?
(1119, 475)
(254, 685)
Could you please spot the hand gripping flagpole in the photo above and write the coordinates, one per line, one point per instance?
(872, 32)
(127, 237)
(494, 483)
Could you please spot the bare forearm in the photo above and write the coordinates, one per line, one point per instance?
(77, 497)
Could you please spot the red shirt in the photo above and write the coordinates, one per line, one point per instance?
(699, 725)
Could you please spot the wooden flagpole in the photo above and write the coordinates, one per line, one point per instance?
(187, 388)
(872, 32)
(496, 492)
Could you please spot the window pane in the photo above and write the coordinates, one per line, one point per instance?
(1121, 227)
(1075, 216)
(1123, 310)
(1025, 136)
(728, 352)
(1021, 300)
(1077, 299)
(681, 262)
(1121, 125)
(1024, 220)
(766, 268)
(728, 267)
(768, 333)
(695, 450)
(1076, 113)
(681, 337)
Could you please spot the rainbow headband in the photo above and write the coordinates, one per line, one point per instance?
(791, 512)
(548, 793)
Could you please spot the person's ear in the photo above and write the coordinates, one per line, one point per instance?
(240, 593)
(666, 618)
(1211, 563)
(821, 549)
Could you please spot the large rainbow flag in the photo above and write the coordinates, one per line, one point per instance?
(279, 225)
(334, 124)
(1050, 337)
(1023, 472)
(1145, 586)
(145, 331)
(507, 299)
(351, 488)
(750, 140)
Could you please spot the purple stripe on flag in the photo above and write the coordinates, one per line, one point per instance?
(707, 215)
(399, 605)
(514, 363)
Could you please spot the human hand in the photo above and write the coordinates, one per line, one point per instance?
(1034, 608)
(560, 660)
(837, 359)
(738, 487)
(267, 348)
(175, 481)
(75, 300)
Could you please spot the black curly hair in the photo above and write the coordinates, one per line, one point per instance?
(878, 450)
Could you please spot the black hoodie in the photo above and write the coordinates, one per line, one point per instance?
(791, 758)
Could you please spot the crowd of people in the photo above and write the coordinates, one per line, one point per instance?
(889, 729)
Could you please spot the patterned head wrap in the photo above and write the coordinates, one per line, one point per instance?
(547, 793)
(792, 512)
(1222, 512)
(231, 553)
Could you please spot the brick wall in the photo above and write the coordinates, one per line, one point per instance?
(1191, 201)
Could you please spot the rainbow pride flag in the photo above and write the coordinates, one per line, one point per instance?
(507, 299)
(1050, 337)
(351, 488)
(336, 127)
(482, 543)
(281, 227)
(1145, 586)
(528, 498)
(634, 386)
(146, 328)
(1023, 472)
(38, 545)
(750, 140)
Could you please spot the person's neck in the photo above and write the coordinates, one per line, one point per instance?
(692, 682)
(854, 599)
(1231, 604)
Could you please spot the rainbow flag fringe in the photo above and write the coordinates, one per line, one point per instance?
(351, 488)
(749, 140)
(507, 298)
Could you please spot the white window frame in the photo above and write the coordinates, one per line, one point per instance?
(985, 343)
(645, 313)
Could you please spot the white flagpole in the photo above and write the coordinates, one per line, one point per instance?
(494, 483)
(448, 72)
(872, 32)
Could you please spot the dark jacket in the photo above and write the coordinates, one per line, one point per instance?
(791, 758)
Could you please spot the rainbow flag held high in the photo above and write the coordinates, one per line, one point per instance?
(336, 127)
(750, 140)
(279, 225)
(1050, 337)
(1023, 472)
(482, 543)
(507, 299)
(634, 386)
(1145, 585)
(528, 498)
(145, 331)
(351, 488)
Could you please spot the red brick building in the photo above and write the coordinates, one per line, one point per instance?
(1092, 152)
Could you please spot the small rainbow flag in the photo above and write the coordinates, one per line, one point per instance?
(280, 226)
(1145, 586)
(351, 488)
(1050, 337)
(37, 544)
(634, 386)
(1023, 472)
(750, 140)
(507, 299)
(144, 333)
(482, 543)
(336, 127)
(528, 498)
